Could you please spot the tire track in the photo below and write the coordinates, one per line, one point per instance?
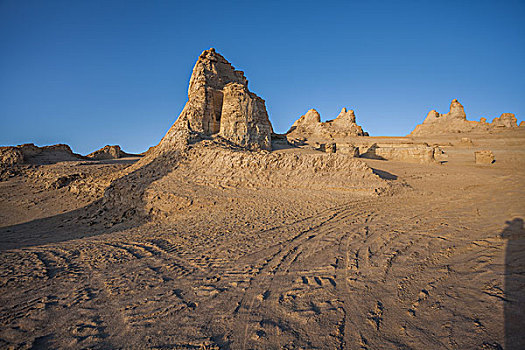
(262, 287)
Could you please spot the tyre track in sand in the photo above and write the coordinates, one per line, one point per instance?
(277, 272)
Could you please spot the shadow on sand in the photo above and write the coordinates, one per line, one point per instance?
(371, 153)
(385, 175)
(514, 311)
(120, 209)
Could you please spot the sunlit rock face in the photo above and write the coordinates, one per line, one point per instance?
(455, 121)
(506, 120)
(310, 125)
(220, 103)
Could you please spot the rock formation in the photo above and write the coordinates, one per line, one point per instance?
(484, 157)
(506, 120)
(29, 153)
(109, 152)
(465, 142)
(310, 125)
(310, 133)
(220, 107)
(455, 121)
(408, 152)
(220, 104)
(211, 144)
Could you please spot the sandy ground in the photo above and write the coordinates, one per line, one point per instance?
(437, 264)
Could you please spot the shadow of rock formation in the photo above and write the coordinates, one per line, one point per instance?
(385, 175)
(371, 153)
(121, 208)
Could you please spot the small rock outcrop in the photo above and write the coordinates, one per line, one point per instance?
(310, 125)
(220, 104)
(465, 142)
(484, 157)
(109, 152)
(348, 149)
(455, 121)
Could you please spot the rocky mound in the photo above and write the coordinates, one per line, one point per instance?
(109, 152)
(29, 153)
(171, 183)
(214, 164)
(310, 125)
(220, 104)
(455, 121)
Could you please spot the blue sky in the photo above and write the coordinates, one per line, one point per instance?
(91, 73)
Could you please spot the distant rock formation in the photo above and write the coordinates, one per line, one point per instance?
(109, 152)
(219, 103)
(310, 125)
(455, 121)
(506, 120)
(29, 153)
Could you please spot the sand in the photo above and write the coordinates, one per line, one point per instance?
(436, 262)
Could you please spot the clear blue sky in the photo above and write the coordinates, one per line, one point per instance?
(91, 73)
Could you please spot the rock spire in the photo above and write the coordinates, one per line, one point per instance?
(220, 104)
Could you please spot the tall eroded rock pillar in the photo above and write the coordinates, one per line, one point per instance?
(219, 103)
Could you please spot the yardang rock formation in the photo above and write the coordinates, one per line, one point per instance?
(221, 139)
(220, 104)
(29, 153)
(310, 125)
(109, 152)
(455, 121)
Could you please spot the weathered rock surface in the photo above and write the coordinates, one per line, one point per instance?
(310, 125)
(219, 103)
(10, 156)
(244, 118)
(348, 149)
(214, 164)
(455, 121)
(29, 153)
(109, 152)
(484, 157)
(506, 120)
(311, 119)
(412, 153)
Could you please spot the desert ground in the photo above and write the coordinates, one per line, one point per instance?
(422, 267)
(287, 246)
